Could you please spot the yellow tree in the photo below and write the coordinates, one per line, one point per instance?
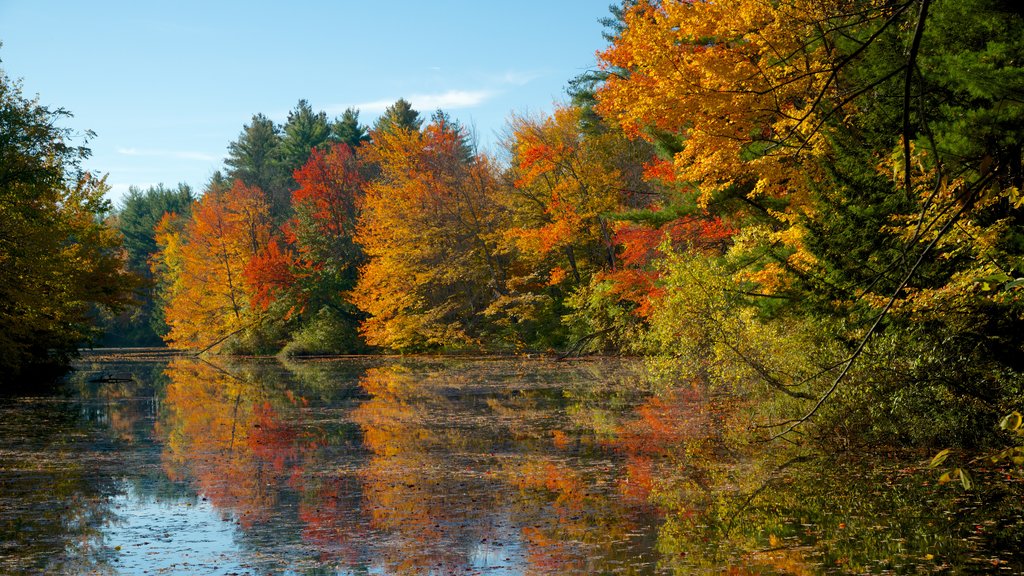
(741, 81)
(565, 184)
(427, 229)
(208, 298)
(744, 87)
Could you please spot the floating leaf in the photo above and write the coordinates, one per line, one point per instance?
(965, 479)
(1011, 421)
(939, 458)
(1014, 284)
(996, 279)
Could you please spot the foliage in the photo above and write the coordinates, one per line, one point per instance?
(427, 228)
(304, 131)
(209, 294)
(398, 116)
(255, 159)
(348, 130)
(57, 257)
(137, 218)
(832, 137)
(326, 205)
(814, 201)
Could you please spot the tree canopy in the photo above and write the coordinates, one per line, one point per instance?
(57, 258)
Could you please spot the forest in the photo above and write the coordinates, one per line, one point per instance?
(816, 203)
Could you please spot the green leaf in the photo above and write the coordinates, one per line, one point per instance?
(1011, 421)
(997, 278)
(965, 479)
(939, 458)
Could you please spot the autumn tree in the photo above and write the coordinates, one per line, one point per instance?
(428, 230)
(136, 218)
(57, 257)
(209, 299)
(572, 180)
(870, 153)
(562, 193)
(326, 206)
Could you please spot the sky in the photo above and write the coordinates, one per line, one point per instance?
(166, 86)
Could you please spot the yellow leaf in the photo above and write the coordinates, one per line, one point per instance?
(965, 479)
(1011, 421)
(939, 458)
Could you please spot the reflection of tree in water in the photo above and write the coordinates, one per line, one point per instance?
(241, 437)
(428, 468)
(124, 387)
(429, 510)
(55, 474)
(332, 519)
(732, 503)
(571, 518)
(235, 440)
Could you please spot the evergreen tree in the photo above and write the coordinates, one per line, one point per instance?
(399, 115)
(303, 131)
(253, 158)
(347, 129)
(139, 214)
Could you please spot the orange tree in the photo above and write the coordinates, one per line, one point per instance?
(427, 229)
(208, 298)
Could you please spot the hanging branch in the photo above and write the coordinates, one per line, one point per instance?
(968, 201)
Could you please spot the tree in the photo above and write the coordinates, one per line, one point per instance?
(304, 131)
(428, 230)
(398, 116)
(255, 158)
(139, 213)
(137, 219)
(347, 129)
(564, 187)
(327, 204)
(57, 257)
(871, 155)
(208, 298)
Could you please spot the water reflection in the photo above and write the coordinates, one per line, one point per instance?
(426, 467)
(429, 466)
(237, 440)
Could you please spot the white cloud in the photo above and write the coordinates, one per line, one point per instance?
(517, 78)
(425, 103)
(374, 107)
(452, 99)
(177, 154)
(119, 190)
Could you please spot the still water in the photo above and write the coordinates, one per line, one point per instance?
(158, 464)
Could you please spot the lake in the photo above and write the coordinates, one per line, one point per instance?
(154, 463)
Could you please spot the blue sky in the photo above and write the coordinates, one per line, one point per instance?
(167, 85)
